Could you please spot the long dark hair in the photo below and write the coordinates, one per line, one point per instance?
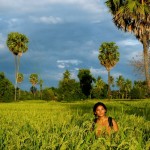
(94, 109)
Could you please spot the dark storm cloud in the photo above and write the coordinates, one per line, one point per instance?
(63, 35)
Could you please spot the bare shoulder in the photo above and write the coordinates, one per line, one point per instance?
(115, 125)
(114, 121)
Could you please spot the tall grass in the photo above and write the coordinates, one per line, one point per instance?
(39, 125)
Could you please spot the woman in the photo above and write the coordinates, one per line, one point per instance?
(103, 124)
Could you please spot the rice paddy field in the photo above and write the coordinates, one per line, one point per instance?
(40, 125)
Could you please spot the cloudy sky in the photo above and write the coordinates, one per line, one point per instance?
(63, 34)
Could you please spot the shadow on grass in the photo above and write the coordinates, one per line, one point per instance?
(142, 110)
(138, 109)
(127, 100)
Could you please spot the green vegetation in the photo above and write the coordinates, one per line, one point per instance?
(17, 44)
(41, 125)
(6, 88)
(86, 79)
(108, 57)
(71, 90)
(128, 15)
(34, 79)
(133, 16)
(68, 89)
(56, 125)
(20, 78)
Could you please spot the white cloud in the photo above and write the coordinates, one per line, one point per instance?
(116, 75)
(89, 43)
(95, 54)
(13, 20)
(133, 54)
(2, 43)
(128, 42)
(77, 69)
(67, 63)
(2, 38)
(53, 75)
(33, 5)
(103, 73)
(93, 10)
(46, 19)
(70, 61)
(98, 72)
(2, 46)
(13, 23)
(61, 66)
(74, 73)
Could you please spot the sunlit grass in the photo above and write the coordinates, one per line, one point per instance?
(41, 125)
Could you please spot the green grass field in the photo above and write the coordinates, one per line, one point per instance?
(40, 125)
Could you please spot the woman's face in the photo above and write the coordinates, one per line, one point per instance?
(100, 111)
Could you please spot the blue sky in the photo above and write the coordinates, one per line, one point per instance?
(63, 34)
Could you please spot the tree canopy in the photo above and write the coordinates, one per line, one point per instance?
(134, 16)
(108, 57)
(17, 43)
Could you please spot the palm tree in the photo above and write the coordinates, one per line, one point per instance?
(127, 87)
(134, 16)
(33, 80)
(20, 78)
(120, 82)
(112, 81)
(108, 56)
(99, 85)
(66, 75)
(17, 44)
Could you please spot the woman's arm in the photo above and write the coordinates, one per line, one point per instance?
(115, 125)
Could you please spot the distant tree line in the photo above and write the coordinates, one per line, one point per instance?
(69, 89)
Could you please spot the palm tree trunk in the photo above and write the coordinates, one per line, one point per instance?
(15, 78)
(17, 63)
(146, 59)
(18, 93)
(109, 85)
(41, 92)
(122, 95)
(142, 1)
(119, 94)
